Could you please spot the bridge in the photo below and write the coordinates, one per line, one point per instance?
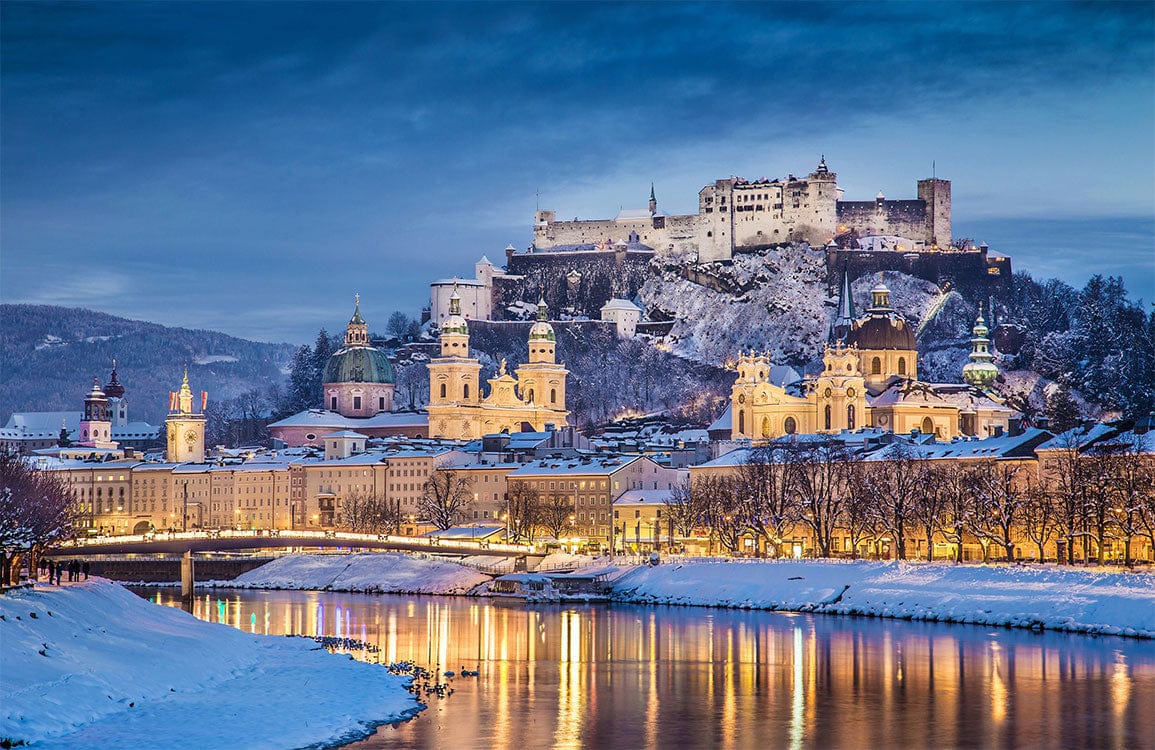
(228, 540)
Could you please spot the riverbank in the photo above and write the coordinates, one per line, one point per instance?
(92, 665)
(1048, 597)
(1036, 596)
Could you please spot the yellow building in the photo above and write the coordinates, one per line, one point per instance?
(533, 396)
(869, 379)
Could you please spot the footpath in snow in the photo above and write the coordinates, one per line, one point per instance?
(91, 665)
(371, 572)
(1051, 597)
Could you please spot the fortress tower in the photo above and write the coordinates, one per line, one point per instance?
(936, 194)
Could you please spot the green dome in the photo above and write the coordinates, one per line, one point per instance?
(359, 364)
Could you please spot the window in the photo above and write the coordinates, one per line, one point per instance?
(380, 403)
(530, 395)
(357, 403)
(553, 395)
(927, 426)
(790, 426)
(741, 423)
(850, 417)
(465, 391)
(443, 390)
(902, 365)
(333, 403)
(765, 427)
(828, 414)
(876, 366)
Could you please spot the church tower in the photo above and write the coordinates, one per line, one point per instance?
(653, 201)
(840, 391)
(186, 427)
(117, 403)
(96, 427)
(541, 381)
(453, 378)
(981, 371)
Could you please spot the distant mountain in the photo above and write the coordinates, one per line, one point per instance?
(49, 355)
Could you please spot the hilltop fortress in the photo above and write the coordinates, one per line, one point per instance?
(735, 214)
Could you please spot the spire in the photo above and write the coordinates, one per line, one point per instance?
(845, 317)
(114, 389)
(542, 310)
(184, 384)
(455, 300)
(653, 200)
(357, 319)
(357, 331)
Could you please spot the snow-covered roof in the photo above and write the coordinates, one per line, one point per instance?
(644, 497)
(957, 395)
(725, 421)
(633, 214)
(322, 418)
(1003, 446)
(46, 424)
(466, 532)
(621, 304)
(347, 434)
(457, 282)
(574, 466)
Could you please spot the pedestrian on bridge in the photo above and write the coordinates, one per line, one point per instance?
(84, 566)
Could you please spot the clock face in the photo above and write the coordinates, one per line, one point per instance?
(190, 437)
(850, 392)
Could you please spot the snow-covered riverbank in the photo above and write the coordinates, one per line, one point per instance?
(91, 665)
(371, 572)
(1051, 597)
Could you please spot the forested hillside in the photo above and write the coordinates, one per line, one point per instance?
(49, 356)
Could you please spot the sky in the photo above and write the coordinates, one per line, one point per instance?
(248, 167)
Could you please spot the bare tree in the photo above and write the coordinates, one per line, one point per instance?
(1064, 472)
(36, 510)
(898, 480)
(955, 483)
(446, 496)
(722, 512)
(1002, 494)
(821, 472)
(857, 519)
(368, 513)
(523, 510)
(763, 495)
(556, 513)
(682, 511)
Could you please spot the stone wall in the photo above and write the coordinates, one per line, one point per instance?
(971, 272)
(605, 274)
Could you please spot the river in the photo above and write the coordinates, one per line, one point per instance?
(626, 676)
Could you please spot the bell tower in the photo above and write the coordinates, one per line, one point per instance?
(96, 426)
(185, 427)
(541, 381)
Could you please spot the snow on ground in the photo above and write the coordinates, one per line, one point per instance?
(91, 665)
(387, 573)
(1048, 596)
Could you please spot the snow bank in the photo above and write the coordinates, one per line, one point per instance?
(385, 573)
(1050, 597)
(91, 665)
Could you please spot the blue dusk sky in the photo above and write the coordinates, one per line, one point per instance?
(247, 167)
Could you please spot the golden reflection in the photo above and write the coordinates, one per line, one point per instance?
(572, 676)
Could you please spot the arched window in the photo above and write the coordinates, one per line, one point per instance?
(741, 423)
(876, 366)
(850, 417)
(790, 426)
(530, 395)
(902, 365)
(765, 427)
(829, 411)
(442, 391)
(553, 395)
(927, 426)
(465, 390)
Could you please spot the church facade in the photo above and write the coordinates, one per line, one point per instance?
(869, 379)
(529, 399)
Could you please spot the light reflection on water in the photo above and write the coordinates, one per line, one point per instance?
(630, 676)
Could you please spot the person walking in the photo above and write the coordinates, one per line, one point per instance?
(85, 568)
(51, 570)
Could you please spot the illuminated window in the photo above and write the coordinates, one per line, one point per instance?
(876, 366)
(902, 365)
(790, 426)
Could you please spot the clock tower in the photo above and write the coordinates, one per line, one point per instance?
(186, 428)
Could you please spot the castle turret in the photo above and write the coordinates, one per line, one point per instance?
(936, 194)
(981, 371)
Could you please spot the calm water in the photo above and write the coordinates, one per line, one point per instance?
(624, 677)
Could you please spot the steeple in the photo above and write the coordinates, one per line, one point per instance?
(845, 317)
(357, 331)
(981, 371)
(653, 201)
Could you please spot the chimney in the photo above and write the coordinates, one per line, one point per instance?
(998, 431)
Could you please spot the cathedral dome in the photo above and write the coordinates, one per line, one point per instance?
(455, 324)
(881, 332)
(359, 364)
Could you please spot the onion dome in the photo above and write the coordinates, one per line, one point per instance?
(981, 371)
(455, 323)
(359, 364)
(542, 330)
(114, 389)
(882, 327)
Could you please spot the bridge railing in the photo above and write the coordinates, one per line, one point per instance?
(352, 538)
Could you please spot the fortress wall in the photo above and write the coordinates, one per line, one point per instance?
(970, 272)
(904, 218)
